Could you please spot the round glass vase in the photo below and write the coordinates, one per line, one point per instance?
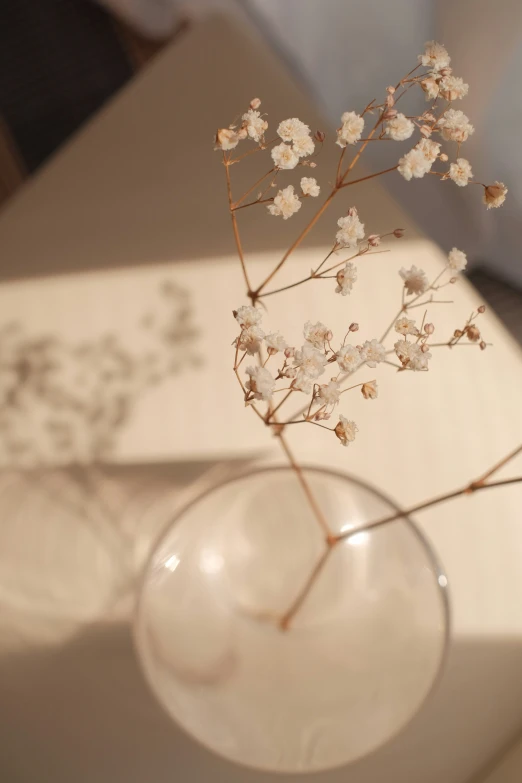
(276, 650)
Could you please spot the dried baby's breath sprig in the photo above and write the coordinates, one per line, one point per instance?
(317, 372)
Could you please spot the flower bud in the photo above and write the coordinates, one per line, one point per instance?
(369, 390)
(352, 212)
(447, 71)
(429, 328)
(354, 327)
(482, 345)
(320, 136)
(425, 348)
(473, 333)
(390, 90)
(457, 333)
(389, 114)
(426, 131)
(444, 158)
(399, 232)
(390, 100)
(453, 280)
(255, 103)
(289, 352)
(374, 240)
(481, 309)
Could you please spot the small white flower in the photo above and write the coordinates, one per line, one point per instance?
(413, 164)
(292, 129)
(369, 390)
(495, 195)
(415, 280)
(303, 146)
(254, 124)
(430, 149)
(310, 187)
(430, 87)
(248, 316)
(260, 383)
(286, 203)
(328, 394)
(435, 56)
(460, 172)
(455, 126)
(284, 157)
(345, 430)
(453, 87)
(348, 358)
(250, 339)
(405, 326)
(457, 260)
(399, 128)
(302, 382)
(346, 277)
(316, 334)
(351, 230)
(226, 139)
(411, 355)
(351, 129)
(310, 361)
(275, 342)
(373, 352)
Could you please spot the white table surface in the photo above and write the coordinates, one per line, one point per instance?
(133, 193)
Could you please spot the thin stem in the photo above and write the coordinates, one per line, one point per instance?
(235, 226)
(286, 619)
(306, 489)
(369, 176)
(478, 482)
(469, 489)
(273, 413)
(474, 486)
(236, 204)
(251, 204)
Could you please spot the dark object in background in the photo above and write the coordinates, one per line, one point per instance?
(60, 60)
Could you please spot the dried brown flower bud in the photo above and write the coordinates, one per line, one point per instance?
(389, 114)
(255, 103)
(429, 328)
(390, 90)
(425, 348)
(399, 232)
(482, 345)
(453, 280)
(353, 327)
(444, 158)
(458, 333)
(320, 136)
(374, 240)
(328, 336)
(447, 71)
(352, 212)
(495, 195)
(369, 390)
(481, 309)
(473, 333)
(289, 352)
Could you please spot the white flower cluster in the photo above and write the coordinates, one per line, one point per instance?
(352, 126)
(418, 161)
(305, 366)
(300, 144)
(351, 230)
(286, 203)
